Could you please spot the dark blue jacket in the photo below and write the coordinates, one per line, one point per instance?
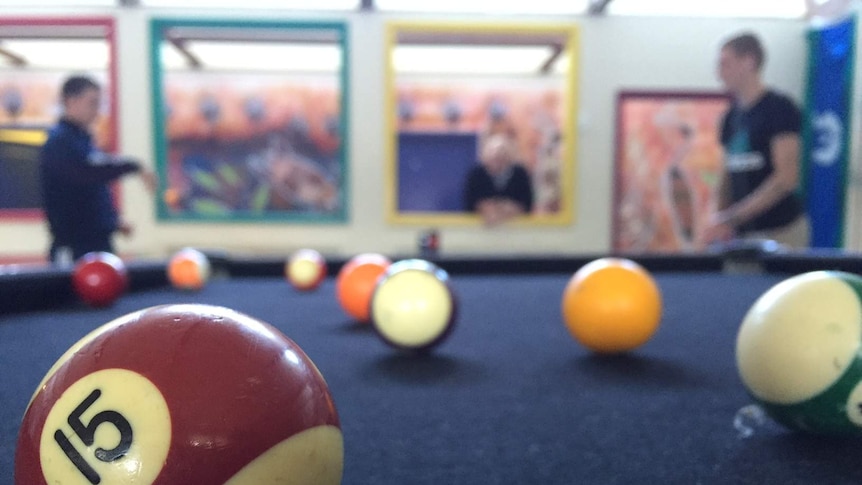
(75, 179)
(481, 186)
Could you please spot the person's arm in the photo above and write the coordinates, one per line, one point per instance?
(783, 180)
(478, 201)
(67, 164)
(722, 191)
(491, 211)
(520, 200)
(716, 228)
(527, 197)
(471, 192)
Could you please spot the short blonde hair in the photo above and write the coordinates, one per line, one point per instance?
(498, 142)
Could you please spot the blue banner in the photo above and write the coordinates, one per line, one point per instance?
(827, 128)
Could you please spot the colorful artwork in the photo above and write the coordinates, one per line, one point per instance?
(30, 104)
(440, 119)
(251, 144)
(248, 144)
(531, 112)
(31, 100)
(667, 167)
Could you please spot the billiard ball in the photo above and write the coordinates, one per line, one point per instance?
(413, 306)
(181, 394)
(356, 282)
(305, 269)
(99, 278)
(612, 305)
(173, 198)
(188, 269)
(799, 352)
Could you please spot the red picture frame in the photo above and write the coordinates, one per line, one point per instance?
(108, 27)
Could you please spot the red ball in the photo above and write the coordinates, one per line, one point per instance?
(99, 278)
(181, 394)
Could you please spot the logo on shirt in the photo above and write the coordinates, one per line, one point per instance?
(744, 162)
(739, 156)
(828, 131)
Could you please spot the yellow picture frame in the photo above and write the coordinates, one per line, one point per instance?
(568, 150)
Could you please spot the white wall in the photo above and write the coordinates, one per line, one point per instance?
(616, 53)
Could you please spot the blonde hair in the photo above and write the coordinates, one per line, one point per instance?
(497, 142)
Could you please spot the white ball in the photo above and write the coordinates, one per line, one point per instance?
(413, 306)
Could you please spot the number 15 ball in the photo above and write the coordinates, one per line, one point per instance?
(181, 394)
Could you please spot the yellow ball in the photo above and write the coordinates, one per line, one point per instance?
(612, 305)
(305, 270)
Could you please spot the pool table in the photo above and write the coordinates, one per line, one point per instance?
(509, 397)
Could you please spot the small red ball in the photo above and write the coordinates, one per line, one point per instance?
(99, 278)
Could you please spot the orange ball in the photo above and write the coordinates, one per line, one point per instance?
(172, 197)
(189, 269)
(356, 282)
(612, 305)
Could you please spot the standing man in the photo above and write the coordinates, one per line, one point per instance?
(75, 177)
(761, 139)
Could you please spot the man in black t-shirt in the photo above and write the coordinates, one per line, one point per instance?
(761, 139)
(497, 188)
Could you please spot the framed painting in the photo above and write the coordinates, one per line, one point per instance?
(250, 120)
(36, 56)
(668, 163)
(453, 86)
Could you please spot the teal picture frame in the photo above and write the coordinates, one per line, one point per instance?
(166, 207)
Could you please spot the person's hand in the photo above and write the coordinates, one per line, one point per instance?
(491, 212)
(509, 209)
(719, 229)
(150, 180)
(125, 228)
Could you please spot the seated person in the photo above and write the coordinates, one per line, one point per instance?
(498, 188)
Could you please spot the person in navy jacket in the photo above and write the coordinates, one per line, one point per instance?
(75, 177)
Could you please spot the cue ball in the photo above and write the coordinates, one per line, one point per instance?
(798, 352)
(99, 278)
(413, 306)
(612, 305)
(305, 270)
(356, 282)
(181, 394)
(188, 269)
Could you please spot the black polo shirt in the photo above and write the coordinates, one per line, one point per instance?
(747, 136)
